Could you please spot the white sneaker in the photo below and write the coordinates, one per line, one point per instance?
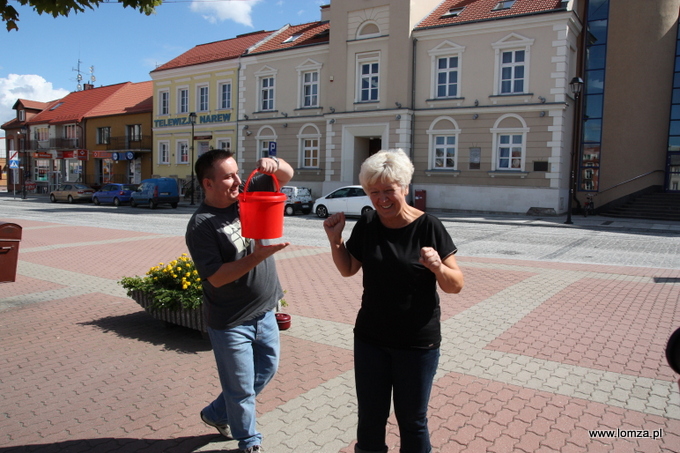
(223, 429)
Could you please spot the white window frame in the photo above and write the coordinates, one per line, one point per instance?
(362, 60)
(222, 102)
(163, 153)
(498, 132)
(512, 43)
(447, 49)
(269, 74)
(183, 100)
(308, 67)
(202, 98)
(164, 102)
(309, 132)
(224, 143)
(182, 152)
(443, 127)
(265, 135)
(22, 115)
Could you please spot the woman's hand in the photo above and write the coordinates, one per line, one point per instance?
(448, 274)
(333, 227)
(430, 259)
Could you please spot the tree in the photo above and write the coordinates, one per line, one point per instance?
(63, 7)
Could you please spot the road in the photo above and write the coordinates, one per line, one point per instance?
(515, 237)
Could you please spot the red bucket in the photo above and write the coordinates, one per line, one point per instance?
(261, 212)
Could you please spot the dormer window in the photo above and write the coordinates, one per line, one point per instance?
(21, 115)
(56, 106)
(453, 12)
(504, 4)
(292, 37)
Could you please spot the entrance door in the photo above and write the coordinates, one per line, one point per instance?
(673, 172)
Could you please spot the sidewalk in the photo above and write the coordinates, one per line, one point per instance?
(535, 354)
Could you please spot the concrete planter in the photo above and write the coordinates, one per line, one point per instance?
(191, 318)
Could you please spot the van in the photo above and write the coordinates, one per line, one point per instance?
(299, 199)
(155, 191)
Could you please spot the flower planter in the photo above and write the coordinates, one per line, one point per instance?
(191, 318)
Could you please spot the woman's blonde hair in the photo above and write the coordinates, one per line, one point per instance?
(392, 165)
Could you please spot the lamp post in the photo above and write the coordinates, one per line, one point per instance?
(576, 85)
(192, 120)
(24, 169)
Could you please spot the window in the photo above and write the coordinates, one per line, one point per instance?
(267, 93)
(510, 151)
(21, 115)
(224, 90)
(504, 4)
(224, 144)
(368, 78)
(512, 71)
(310, 89)
(134, 132)
(445, 152)
(202, 105)
(103, 135)
(292, 37)
(447, 77)
(512, 65)
(182, 152)
(163, 153)
(310, 153)
(164, 103)
(182, 100)
(453, 12)
(42, 133)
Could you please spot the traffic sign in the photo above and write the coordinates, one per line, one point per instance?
(13, 163)
(13, 155)
(272, 148)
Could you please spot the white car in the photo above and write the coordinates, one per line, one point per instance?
(299, 199)
(352, 200)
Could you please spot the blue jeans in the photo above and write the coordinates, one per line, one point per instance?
(247, 357)
(408, 373)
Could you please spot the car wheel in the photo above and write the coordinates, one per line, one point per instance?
(366, 209)
(173, 205)
(132, 203)
(70, 199)
(116, 202)
(290, 210)
(53, 199)
(321, 211)
(95, 200)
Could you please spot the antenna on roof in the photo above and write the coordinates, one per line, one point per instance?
(92, 77)
(79, 77)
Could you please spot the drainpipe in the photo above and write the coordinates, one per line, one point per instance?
(238, 95)
(413, 119)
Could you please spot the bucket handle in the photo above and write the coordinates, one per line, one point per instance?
(245, 187)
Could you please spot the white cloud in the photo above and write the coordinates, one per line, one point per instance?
(237, 11)
(25, 86)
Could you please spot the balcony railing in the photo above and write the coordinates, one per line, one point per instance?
(55, 143)
(134, 143)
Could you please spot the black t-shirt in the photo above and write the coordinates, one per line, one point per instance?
(400, 304)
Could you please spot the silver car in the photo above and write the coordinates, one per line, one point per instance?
(352, 200)
(72, 192)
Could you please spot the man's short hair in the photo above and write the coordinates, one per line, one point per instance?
(205, 164)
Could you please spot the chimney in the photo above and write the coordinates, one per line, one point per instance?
(87, 86)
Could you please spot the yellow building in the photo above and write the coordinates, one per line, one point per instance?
(194, 105)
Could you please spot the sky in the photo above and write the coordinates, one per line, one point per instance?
(40, 61)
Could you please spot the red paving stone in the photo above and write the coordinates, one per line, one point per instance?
(94, 372)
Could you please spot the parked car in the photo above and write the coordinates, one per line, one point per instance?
(114, 193)
(299, 199)
(155, 191)
(352, 200)
(72, 192)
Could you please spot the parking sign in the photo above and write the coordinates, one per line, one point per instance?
(272, 148)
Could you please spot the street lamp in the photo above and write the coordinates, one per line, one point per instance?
(192, 120)
(576, 85)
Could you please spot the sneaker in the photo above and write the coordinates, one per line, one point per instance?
(253, 449)
(223, 429)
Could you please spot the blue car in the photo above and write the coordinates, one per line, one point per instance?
(114, 193)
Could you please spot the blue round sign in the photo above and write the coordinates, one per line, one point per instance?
(114, 156)
(130, 155)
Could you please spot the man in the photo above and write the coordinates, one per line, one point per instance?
(240, 292)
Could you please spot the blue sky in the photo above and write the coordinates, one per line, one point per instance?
(39, 61)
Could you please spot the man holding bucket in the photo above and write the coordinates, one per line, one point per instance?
(240, 291)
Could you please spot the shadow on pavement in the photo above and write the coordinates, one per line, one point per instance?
(179, 445)
(140, 326)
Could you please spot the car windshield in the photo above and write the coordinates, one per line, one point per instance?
(80, 186)
(130, 187)
(304, 191)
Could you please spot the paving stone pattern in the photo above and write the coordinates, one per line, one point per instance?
(535, 355)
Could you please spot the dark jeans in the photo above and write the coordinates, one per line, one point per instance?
(408, 373)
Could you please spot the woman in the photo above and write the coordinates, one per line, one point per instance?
(404, 253)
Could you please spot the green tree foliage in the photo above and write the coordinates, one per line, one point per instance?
(64, 7)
